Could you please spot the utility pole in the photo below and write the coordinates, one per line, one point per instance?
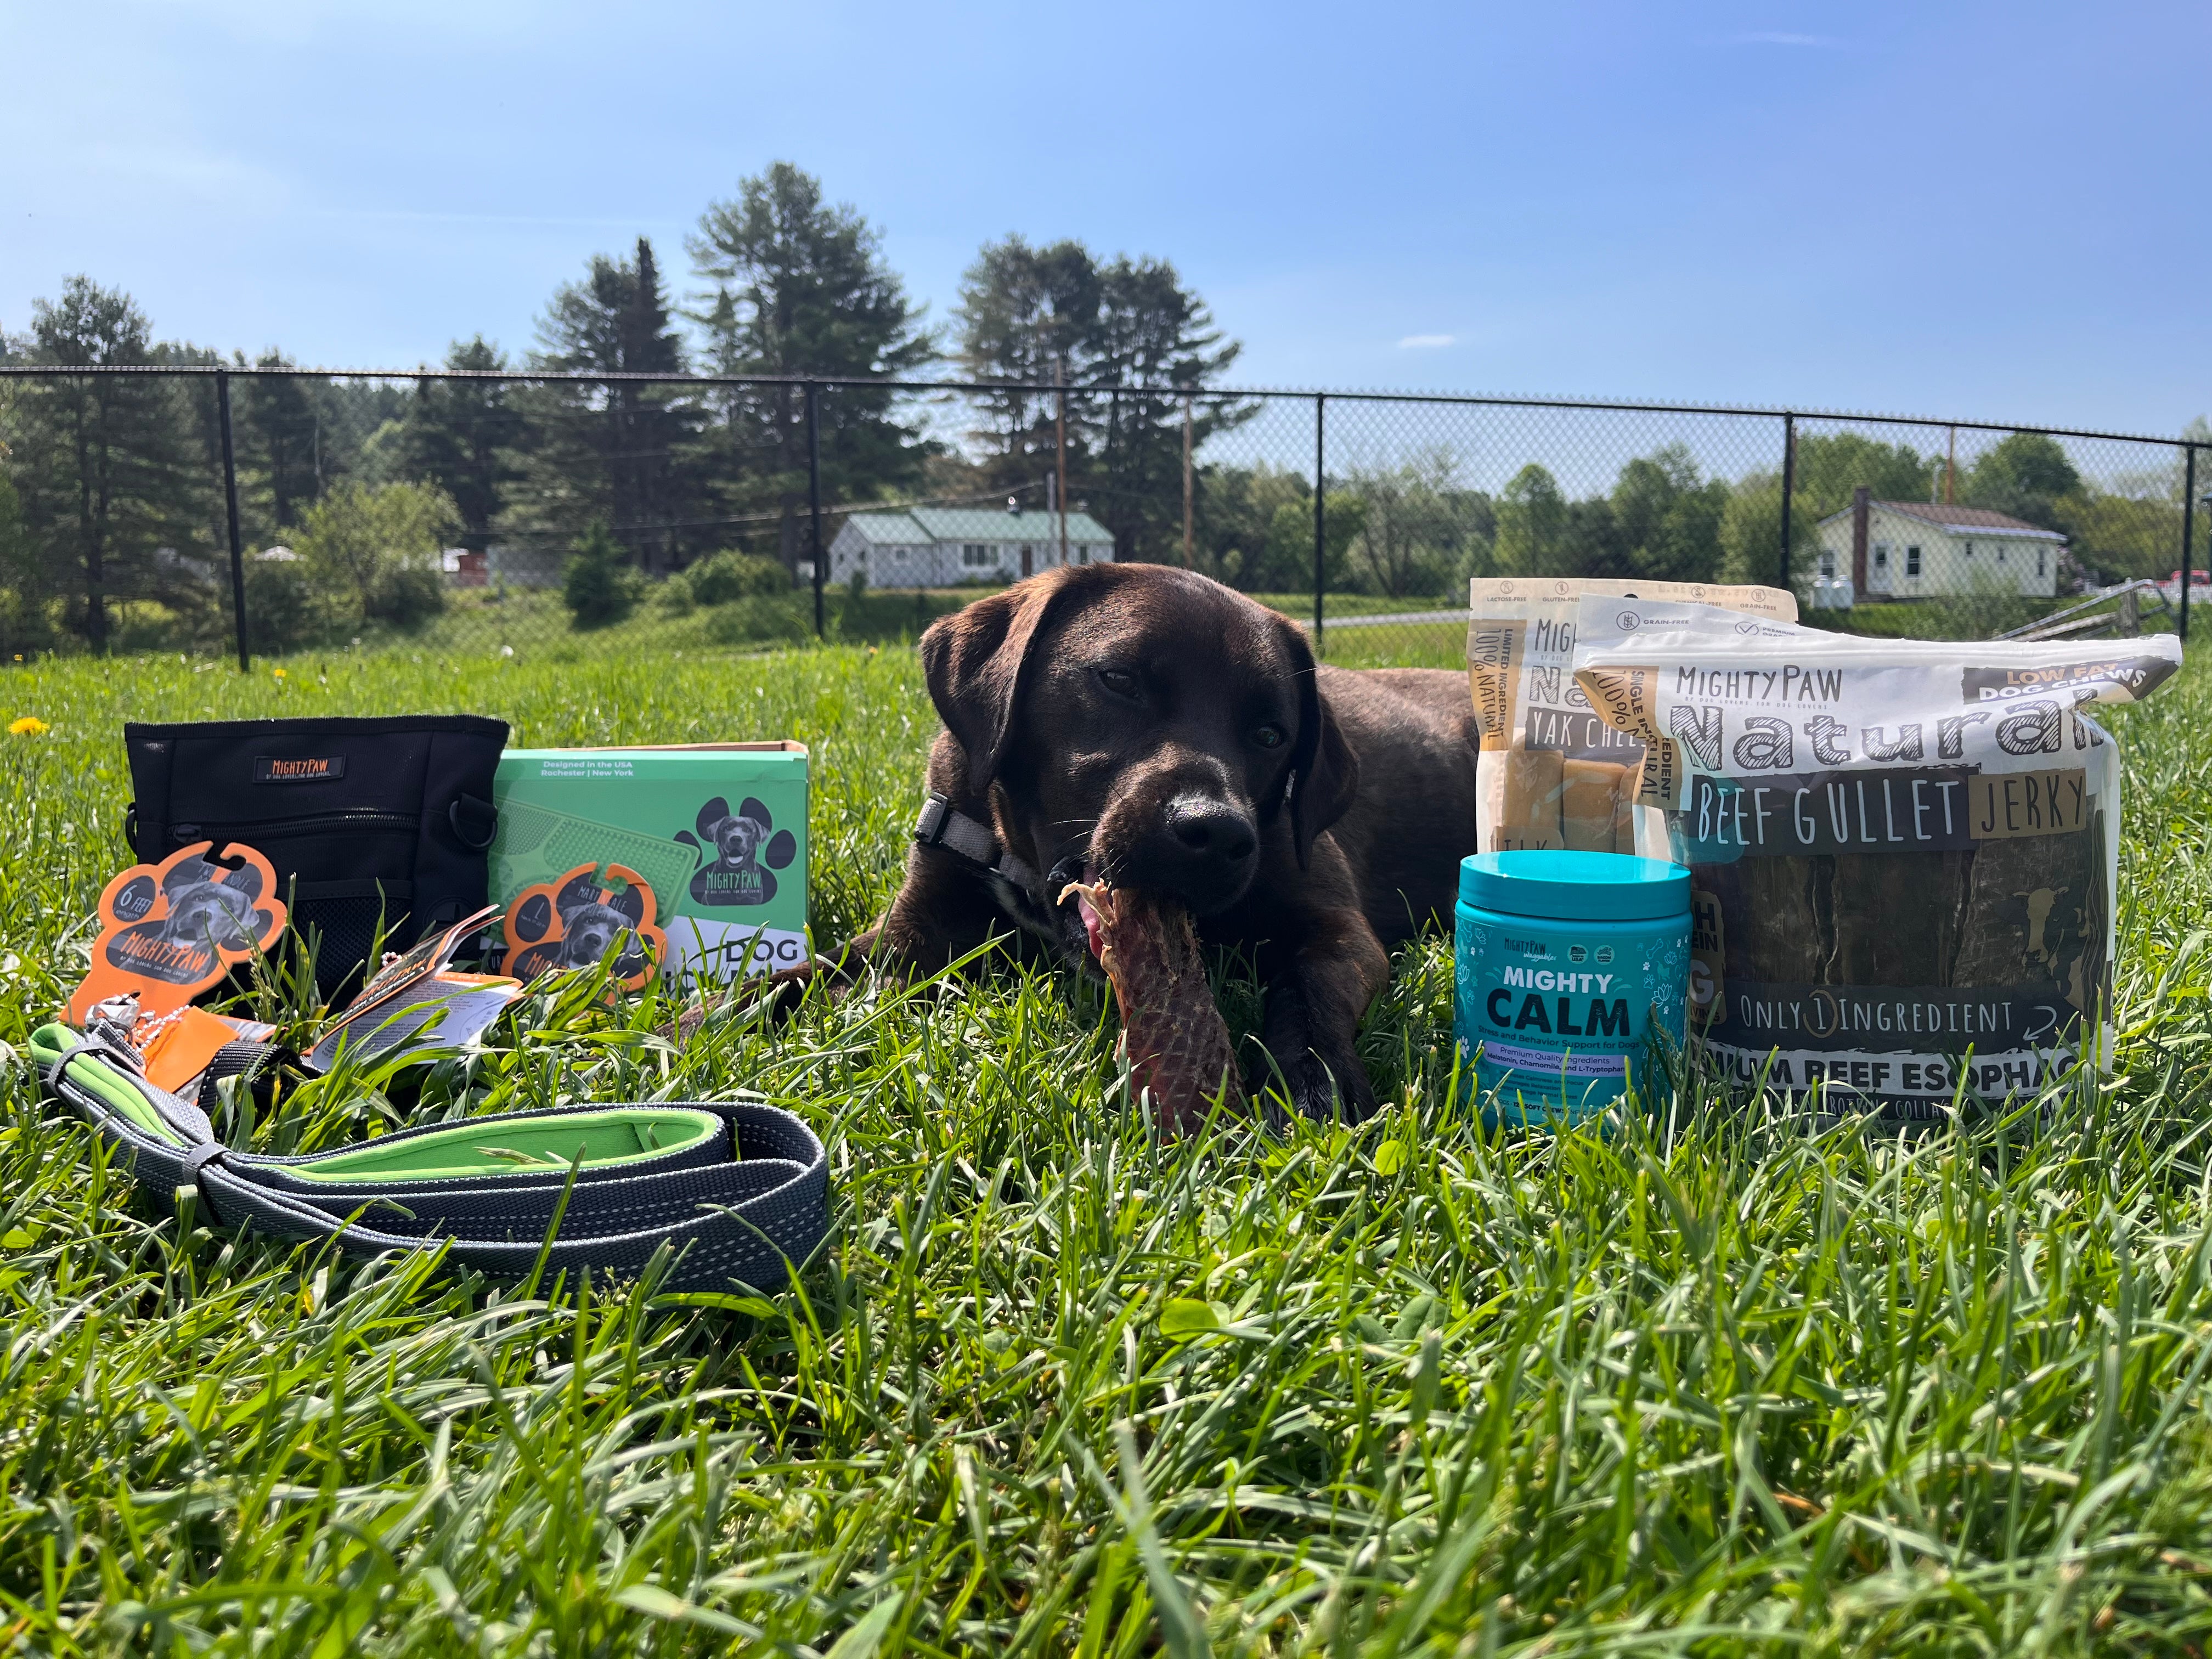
(1188, 526)
(1951, 469)
(1060, 431)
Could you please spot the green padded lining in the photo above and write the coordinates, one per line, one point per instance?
(606, 1140)
(48, 1044)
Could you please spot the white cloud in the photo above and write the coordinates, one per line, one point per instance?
(1425, 341)
(1772, 38)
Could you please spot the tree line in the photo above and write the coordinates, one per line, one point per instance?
(112, 531)
(111, 528)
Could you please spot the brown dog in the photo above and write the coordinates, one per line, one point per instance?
(1152, 726)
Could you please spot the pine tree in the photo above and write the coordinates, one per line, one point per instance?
(109, 473)
(1131, 341)
(463, 435)
(277, 435)
(800, 288)
(618, 450)
(598, 588)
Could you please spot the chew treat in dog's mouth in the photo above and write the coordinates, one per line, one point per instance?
(1172, 1030)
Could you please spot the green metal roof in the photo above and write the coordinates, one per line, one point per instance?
(885, 528)
(977, 524)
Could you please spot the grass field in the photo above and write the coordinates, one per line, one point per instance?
(1701, 1385)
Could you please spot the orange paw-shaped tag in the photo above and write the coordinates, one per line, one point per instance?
(572, 922)
(168, 931)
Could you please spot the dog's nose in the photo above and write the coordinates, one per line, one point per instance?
(1212, 833)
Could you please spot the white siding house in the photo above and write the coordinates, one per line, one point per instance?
(940, 546)
(1917, 550)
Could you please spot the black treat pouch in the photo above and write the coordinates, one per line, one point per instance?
(362, 820)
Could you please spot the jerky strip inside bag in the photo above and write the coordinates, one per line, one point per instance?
(1550, 772)
(1903, 851)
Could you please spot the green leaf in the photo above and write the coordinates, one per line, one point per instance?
(861, 1641)
(658, 1603)
(1188, 1318)
(1415, 1318)
(16, 1239)
(1391, 1157)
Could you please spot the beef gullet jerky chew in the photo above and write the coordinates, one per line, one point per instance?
(1552, 773)
(1172, 1030)
(1902, 855)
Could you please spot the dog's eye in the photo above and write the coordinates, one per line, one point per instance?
(1269, 736)
(1120, 681)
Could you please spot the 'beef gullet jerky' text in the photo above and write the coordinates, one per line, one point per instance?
(1902, 857)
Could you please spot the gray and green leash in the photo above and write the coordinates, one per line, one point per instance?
(739, 1189)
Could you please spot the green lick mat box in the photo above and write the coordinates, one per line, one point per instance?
(716, 832)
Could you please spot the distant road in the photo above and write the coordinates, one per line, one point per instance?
(1387, 618)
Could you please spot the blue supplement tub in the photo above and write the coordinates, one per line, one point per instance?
(1567, 964)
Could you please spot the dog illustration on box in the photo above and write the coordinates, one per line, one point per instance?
(740, 852)
(573, 923)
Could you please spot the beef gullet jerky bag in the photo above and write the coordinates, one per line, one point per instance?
(1902, 851)
(1550, 772)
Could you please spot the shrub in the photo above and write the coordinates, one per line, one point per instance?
(730, 575)
(757, 621)
(286, 608)
(358, 537)
(1988, 607)
(675, 596)
(599, 588)
(406, 595)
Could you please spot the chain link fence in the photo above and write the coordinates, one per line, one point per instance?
(203, 507)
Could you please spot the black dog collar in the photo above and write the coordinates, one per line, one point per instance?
(971, 842)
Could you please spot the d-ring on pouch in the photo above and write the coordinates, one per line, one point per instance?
(1903, 852)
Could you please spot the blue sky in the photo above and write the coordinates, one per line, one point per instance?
(1968, 210)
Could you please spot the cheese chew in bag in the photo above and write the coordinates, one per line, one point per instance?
(1550, 772)
(1903, 852)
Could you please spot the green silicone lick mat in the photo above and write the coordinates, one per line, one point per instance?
(535, 844)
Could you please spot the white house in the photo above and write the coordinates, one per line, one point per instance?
(1917, 550)
(938, 546)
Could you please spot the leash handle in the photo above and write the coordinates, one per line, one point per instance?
(740, 1188)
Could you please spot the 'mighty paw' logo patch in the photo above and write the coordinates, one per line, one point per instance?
(741, 852)
(170, 930)
(572, 922)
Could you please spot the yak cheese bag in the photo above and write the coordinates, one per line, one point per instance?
(1903, 852)
(1550, 772)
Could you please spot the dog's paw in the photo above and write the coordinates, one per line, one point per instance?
(1319, 1091)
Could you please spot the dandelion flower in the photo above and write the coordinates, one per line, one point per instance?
(278, 672)
(29, 726)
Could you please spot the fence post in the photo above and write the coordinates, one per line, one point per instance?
(1789, 489)
(814, 499)
(2188, 534)
(1321, 520)
(230, 507)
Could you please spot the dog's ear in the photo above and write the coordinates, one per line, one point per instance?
(628, 904)
(712, 814)
(189, 872)
(975, 659)
(1324, 770)
(583, 888)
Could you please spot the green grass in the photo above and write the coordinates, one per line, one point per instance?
(1701, 1384)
